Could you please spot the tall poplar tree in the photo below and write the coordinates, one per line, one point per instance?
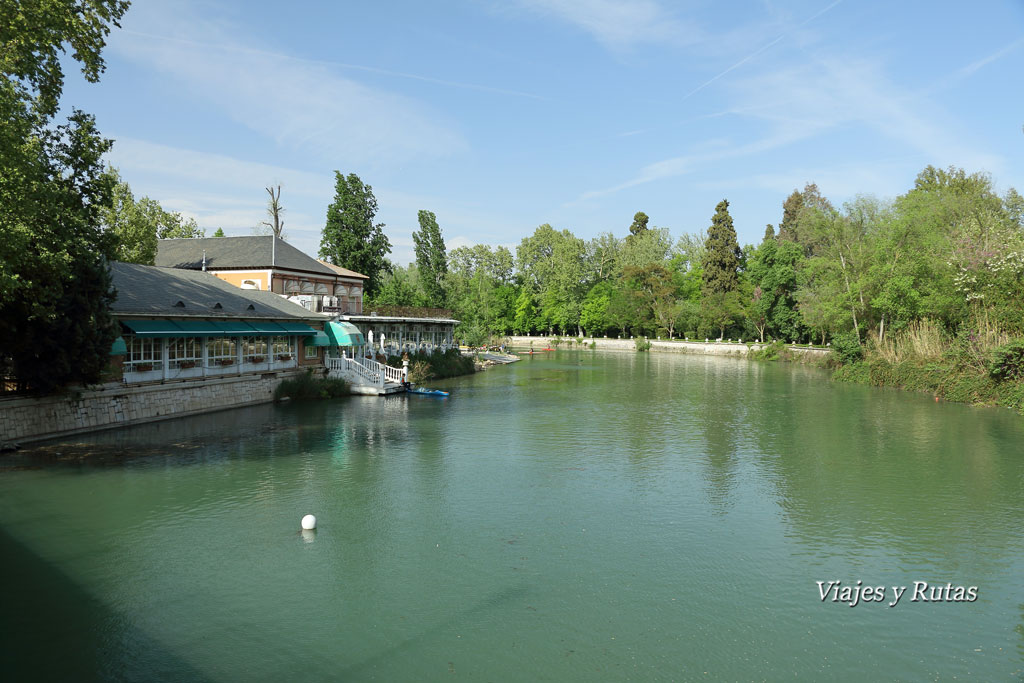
(431, 257)
(350, 237)
(720, 278)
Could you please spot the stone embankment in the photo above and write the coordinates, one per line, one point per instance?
(710, 348)
(32, 419)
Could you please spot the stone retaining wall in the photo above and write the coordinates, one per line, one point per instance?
(115, 405)
(674, 346)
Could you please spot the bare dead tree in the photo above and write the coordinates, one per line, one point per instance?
(274, 210)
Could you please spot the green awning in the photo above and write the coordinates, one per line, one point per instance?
(319, 339)
(344, 334)
(198, 328)
(297, 328)
(235, 327)
(153, 328)
(119, 348)
(267, 327)
(214, 328)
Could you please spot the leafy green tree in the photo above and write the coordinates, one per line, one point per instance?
(350, 238)
(720, 286)
(398, 288)
(652, 246)
(55, 287)
(136, 225)
(126, 221)
(773, 270)
(525, 318)
(602, 257)
(551, 264)
(431, 257)
(594, 317)
(639, 224)
(219, 233)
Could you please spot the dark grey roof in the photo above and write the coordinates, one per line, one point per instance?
(252, 251)
(155, 291)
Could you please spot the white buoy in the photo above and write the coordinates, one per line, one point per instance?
(309, 522)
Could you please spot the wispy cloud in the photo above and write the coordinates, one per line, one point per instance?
(757, 52)
(296, 103)
(620, 23)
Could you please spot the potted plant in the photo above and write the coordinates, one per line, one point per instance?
(257, 359)
(143, 367)
(226, 361)
(186, 365)
(284, 356)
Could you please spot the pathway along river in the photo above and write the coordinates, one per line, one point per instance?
(582, 516)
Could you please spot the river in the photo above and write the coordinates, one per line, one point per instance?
(579, 516)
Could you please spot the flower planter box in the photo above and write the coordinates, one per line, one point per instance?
(225, 362)
(143, 367)
(186, 365)
(284, 356)
(257, 359)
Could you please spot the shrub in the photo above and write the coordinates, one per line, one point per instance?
(1007, 361)
(307, 386)
(642, 344)
(846, 348)
(423, 365)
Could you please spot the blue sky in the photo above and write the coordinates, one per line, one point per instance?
(500, 116)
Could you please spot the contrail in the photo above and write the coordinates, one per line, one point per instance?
(751, 56)
(343, 65)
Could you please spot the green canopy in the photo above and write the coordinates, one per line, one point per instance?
(153, 328)
(198, 328)
(319, 338)
(297, 328)
(214, 328)
(267, 327)
(119, 348)
(344, 334)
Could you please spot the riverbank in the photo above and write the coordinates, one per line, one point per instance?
(709, 348)
(946, 380)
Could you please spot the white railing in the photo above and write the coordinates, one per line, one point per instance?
(355, 371)
(390, 374)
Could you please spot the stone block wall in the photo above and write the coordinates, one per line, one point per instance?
(115, 405)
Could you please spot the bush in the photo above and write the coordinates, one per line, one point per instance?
(424, 366)
(846, 348)
(307, 386)
(642, 344)
(1007, 361)
(774, 351)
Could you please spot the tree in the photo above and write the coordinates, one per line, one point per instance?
(126, 221)
(720, 282)
(136, 225)
(274, 210)
(55, 287)
(350, 238)
(431, 257)
(639, 224)
(219, 233)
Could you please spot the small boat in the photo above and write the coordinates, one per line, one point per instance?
(426, 392)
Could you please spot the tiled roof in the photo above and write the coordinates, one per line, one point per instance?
(156, 291)
(343, 271)
(251, 251)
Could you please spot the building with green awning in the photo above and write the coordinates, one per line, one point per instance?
(185, 324)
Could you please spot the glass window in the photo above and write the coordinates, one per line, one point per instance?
(184, 352)
(220, 351)
(312, 351)
(254, 349)
(144, 354)
(282, 348)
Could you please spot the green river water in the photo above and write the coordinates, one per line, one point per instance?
(584, 516)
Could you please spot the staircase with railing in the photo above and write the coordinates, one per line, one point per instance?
(366, 376)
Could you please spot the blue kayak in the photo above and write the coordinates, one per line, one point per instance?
(426, 392)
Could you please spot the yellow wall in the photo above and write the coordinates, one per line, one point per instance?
(235, 277)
